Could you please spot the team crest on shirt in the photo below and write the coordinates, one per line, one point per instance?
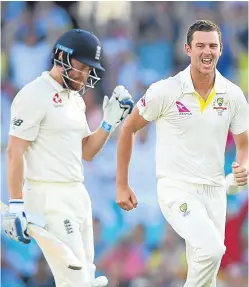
(220, 105)
(220, 101)
(68, 226)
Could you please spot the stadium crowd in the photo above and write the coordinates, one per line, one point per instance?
(142, 43)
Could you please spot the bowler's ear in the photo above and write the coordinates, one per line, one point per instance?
(187, 49)
(221, 48)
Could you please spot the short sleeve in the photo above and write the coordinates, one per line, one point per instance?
(240, 117)
(27, 112)
(152, 104)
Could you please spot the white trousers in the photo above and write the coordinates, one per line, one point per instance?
(66, 210)
(198, 214)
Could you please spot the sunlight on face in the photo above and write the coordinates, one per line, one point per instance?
(204, 51)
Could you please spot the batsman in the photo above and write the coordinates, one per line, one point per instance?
(48, 138)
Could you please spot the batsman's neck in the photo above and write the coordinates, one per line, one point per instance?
(202, 82)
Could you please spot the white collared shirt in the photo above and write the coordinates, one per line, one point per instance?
(192, 134)
(55, 123)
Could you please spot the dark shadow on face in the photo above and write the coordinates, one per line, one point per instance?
(79, 73)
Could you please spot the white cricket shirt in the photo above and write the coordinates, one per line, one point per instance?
(192, 133)
(55, 123)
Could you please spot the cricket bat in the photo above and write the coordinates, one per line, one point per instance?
(37, 230)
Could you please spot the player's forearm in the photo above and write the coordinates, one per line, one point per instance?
(241, 142)
(94, 143)
(15, 175)
(242, 157)
(125, 146)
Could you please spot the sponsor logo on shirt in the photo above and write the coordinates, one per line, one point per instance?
(57, 100)
(184, 209)
(182, 109)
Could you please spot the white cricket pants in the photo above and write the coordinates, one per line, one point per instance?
(197, 213)
(66, 210)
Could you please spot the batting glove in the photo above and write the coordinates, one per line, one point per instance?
(117, 108)
(15, 222)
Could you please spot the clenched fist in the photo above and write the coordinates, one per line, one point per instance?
(126, 198)
(240, 174)
(117, 108)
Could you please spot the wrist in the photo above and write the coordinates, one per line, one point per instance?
(122, 183)
(16, 205)
(106, 126)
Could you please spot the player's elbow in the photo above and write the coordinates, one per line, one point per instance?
(13, 154)
(87, 157)
(16, 147)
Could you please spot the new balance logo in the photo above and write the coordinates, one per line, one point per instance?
(98, 51)
(182, 109)
(68, 226)
(17, 122)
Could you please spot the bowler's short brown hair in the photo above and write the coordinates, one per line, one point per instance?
(202, 25)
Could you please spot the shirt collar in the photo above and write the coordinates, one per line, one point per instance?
(220, 84)
(58, 87)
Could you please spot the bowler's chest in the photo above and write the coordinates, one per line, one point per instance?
(187, 113)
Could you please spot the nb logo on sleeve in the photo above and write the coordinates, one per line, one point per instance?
(17, 122)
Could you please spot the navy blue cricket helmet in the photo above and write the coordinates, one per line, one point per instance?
(84, 47)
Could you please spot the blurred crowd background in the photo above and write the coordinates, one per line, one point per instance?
(142, 43)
